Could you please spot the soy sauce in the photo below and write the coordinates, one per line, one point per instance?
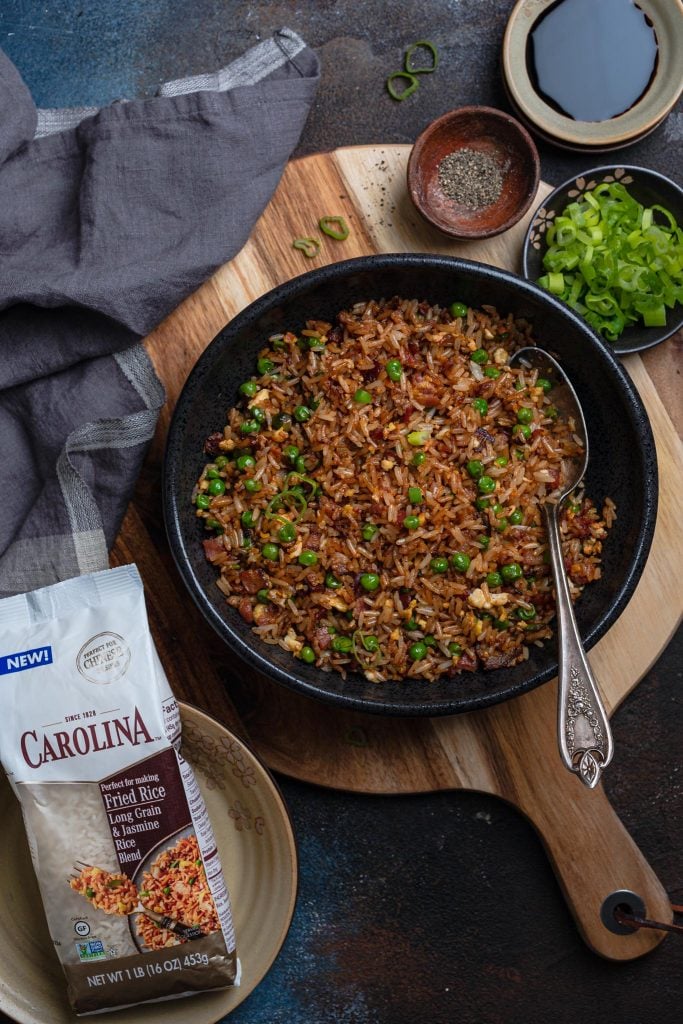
(592, 59)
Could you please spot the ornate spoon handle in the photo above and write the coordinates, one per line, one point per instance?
(584, 734)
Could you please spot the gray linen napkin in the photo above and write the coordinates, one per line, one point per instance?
(108, 219)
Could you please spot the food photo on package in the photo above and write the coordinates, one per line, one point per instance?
(120, 838)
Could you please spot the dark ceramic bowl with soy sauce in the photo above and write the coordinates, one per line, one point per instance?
(623, 466)
(648, 188)
(593, 75)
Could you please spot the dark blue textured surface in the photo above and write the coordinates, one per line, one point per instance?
(441, 908)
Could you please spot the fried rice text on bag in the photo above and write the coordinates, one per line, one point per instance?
(121, 842)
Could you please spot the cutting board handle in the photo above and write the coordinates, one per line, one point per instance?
(590, 850)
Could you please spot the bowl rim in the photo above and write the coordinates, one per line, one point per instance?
(619, 130)
(494, 114)
(201, 372)
(616, 347)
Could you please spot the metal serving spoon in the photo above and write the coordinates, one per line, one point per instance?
(584, 734)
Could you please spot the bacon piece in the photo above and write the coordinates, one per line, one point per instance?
(246, 611)
(213, 548)
(212, 444)
(321, 638)
(253, 580)
(336, 334)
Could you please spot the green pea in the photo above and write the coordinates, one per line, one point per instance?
(202, 501)
(492, 371)
(525, 415)
(263, 596)
(307, 654)
(213, 524)
(486, 484)
(247, 542)
(290, 452)
(221, 462)
(494, 579)
(212, 473)
(342, 644)
(497, 509)
(439, 564)
(316, 344)
(369, 531)
(411, 522)
(475, 467)
(245, 462)
(552, 412)
(418, 459)
(264, 366)
(308, 558)
(526, 614)
(302, 413)
(429, 641)
(282, 420)
(249, 388)
(271, 552)
(277, 342)
(544, 383)
(252, 485)
(458, 309)
(501, 624)
(482, 503)
(501, 461)
(516, 517)
(300, 465)
(522, 430)
(248, 519)
(415, 496)
(518, 385)
(216, 487)
(481, 405)
(369, 581)
(371, 644)
(460, 561)
(412, 625)
(362, 396)
(511, 572)
(480, 356)
(332, 582)
(502, 524)
(287, 533)
(519, 455)
(484, 541)
(249, 427)
(258, 414)
(417, 651)
(394, 369)
(455, 649)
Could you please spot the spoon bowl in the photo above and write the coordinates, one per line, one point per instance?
(583, 729)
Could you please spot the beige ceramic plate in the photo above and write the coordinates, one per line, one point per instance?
(661, 95)
(258, 854)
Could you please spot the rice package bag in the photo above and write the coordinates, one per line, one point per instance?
(121, 842)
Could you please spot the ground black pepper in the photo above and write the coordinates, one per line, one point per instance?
(470, 178)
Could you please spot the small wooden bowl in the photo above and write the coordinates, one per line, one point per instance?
(487, 131)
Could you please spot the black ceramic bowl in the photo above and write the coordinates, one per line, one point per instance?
(648, 188)
(622, 464)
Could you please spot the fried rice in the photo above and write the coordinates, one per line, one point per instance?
(114, 893)
(374, 501)
(176, 886)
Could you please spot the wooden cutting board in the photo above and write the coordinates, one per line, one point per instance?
(509, 750)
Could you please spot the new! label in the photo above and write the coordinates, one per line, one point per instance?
(23, 660)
